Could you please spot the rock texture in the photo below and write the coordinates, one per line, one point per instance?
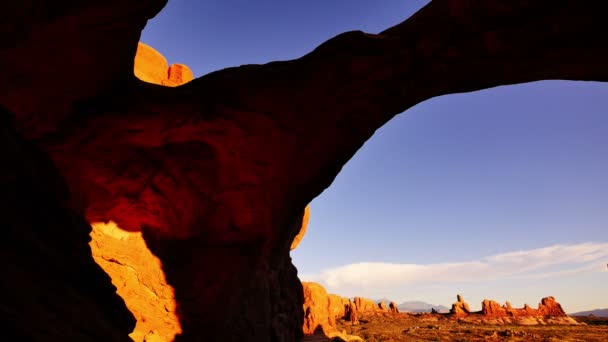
(221, 169)
(547, 307)
(52, 290)
(139, 278)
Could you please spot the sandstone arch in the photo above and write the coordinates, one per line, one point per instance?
(221, 169)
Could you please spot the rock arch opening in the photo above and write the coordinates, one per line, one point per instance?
(476, 193)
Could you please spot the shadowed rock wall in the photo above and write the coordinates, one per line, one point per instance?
(52, 290)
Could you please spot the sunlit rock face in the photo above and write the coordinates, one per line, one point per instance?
(321, 310)
(302, 232)
(152, 67)
(140, 280)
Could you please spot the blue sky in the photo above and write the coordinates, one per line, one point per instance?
(501, 193)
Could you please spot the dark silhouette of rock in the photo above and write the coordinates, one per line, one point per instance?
(216, 173)
(52, 289)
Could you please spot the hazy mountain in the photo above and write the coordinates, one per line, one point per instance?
(418, 306)
(596, 312)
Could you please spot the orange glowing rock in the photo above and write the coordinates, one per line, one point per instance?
(139, 279)
(298, 238)
(152, 67)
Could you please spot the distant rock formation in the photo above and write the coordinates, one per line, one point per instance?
(547, 307)
(392, 308)
(366, 305)
(549, 311)
(382, 306)
(460, 307)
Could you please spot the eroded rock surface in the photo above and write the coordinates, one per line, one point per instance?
(139, 278)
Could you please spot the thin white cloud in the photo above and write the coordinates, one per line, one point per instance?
(552, 261)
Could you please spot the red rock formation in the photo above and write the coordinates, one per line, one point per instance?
(138, 276)
(221, 169)
(366, 305)
(492, 308)
(548, 307)
(321, 309)
(460, 307)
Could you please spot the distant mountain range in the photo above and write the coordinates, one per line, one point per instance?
(418, 306)
(596, 312)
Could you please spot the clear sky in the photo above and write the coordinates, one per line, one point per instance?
(500, 194)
